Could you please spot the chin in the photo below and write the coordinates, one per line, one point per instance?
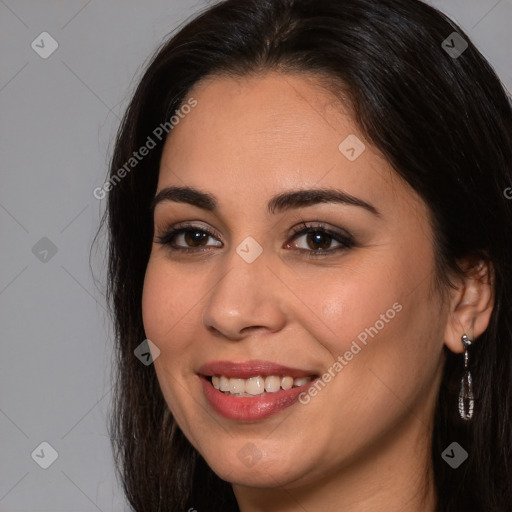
(251, 471)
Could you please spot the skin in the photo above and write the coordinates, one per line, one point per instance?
(363, 442)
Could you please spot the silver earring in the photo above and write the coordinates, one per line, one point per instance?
(466, 398)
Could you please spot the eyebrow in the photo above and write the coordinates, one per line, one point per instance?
(277, 204)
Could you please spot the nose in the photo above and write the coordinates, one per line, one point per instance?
(247, 298)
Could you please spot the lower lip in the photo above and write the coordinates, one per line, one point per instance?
(242, 408)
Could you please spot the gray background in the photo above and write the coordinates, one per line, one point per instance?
(58, 119)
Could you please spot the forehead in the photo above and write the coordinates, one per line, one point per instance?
(261, 134)
(258, 113)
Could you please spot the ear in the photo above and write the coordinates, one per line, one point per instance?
(471, 304)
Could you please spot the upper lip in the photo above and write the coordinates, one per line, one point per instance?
(247, 369)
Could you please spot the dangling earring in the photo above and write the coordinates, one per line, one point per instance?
(466, 398)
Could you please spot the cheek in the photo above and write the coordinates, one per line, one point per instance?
(169, 316)
(351, 303)
(154, 303)
(381, 319)
(167, 303)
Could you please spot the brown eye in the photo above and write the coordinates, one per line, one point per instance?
(318, 240)
(192, 236)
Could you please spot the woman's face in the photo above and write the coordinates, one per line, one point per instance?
(349, 302)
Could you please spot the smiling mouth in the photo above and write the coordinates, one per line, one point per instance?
(257, 386)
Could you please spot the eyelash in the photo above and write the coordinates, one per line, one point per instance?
(346, 241)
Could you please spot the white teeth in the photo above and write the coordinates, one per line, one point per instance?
(287, 382)
(256, 386)
(224, 384)
(237, 385)
(272, 383)
(301, 381)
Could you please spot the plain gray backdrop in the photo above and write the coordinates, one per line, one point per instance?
(59, 116)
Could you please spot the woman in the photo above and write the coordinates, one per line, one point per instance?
(310, 239)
